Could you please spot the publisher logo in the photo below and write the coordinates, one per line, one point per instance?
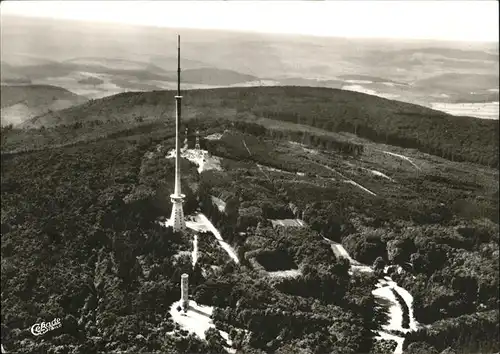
(41, 328)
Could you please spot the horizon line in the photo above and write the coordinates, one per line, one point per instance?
(247, 31)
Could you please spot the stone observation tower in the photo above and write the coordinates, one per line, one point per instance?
(177, 218)
(185, 291)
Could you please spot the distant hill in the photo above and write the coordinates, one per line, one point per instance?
(377, 119)
(23, 102)
(455, 53)
(91, 81)
(407, 64)
(8, 75)
(124, 70)
(433, 52)
(213, 76)
(368, 78)
(297, 81)
(15, 58)
(113, 64)
(459, 82)
(139, 70)
(169, 63)
(480, 97)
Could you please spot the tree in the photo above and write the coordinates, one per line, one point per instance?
(196, 277)
(418, 262)
(466, 286)
(232, 207)
(420, 348)
(399, 250)
(70, 325)
(215, 342)
(364, 248)
(379, 263)
(448, 350)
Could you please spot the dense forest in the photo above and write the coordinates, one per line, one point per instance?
(81, 238)
(333, 110)
(446, 246)
(77, 251)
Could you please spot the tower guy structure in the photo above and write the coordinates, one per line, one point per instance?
(177, 218)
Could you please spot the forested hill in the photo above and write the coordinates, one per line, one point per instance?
(378, 119)
(20, 103)
(34, 95)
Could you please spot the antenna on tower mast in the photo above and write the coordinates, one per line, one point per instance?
(178, 65)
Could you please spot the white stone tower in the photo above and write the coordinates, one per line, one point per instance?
(197, 145)
(185, 291)
(177, 218)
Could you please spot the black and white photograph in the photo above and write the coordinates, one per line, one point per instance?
(250, 177)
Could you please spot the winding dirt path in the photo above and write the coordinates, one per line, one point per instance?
(194, 254)
(401, 157)
(384, 292)
(246, 147)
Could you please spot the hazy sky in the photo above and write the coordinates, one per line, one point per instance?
(449, 20)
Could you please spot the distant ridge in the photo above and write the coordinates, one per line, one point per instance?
(213, 76)
(63, 69)
(369, 78)
(457, 53)
(451, 82)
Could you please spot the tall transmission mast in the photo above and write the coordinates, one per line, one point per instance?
(177, 217)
